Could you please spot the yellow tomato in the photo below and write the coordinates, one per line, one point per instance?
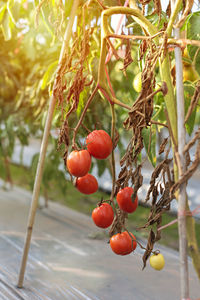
(186, 55)
(157, 261)
(137, 82)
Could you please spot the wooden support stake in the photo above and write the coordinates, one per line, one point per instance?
(43, 150)
(182, 196)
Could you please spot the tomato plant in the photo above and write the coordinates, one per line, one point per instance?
(87, 184)
(157, 261)
(79, 162)
(99, 144)
(103, 215)
(123, 243)
(125, 201)
(82, 84)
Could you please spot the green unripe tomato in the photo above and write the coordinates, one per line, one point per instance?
(137, 82)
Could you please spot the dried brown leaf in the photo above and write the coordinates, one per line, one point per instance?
(149, 248)
(168, 10)
(162, 146)
(194, 101)
(187, 10)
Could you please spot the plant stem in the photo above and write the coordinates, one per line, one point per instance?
(113, 159)
(135, 13)
(8, 177)
(192, 242)
(173, 17)
(182, 199)
(82, 116)
(170, 100)
(113, 155)
(183, 42)
(133, 37)
(140, 19)
(43, 149)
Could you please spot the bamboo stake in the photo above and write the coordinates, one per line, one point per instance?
(182, 196)
(43, 150)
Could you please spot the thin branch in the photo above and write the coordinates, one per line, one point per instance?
(133, 37)
(43, 149)
(193, 102)
(159, 123)
(173, 17)
(192, 142)
(113, 160)
(101, 4)
(182, 42)
(187, 10)
(188, 174)
(82, 116)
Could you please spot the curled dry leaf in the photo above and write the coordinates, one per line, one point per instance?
(188, 174)
(157, 8)
(149, 248)
(137, 180)
(187, 10)
(119, 222)
(157, 171)
(194, 101)
(168, 10)
(162, 146)
(128, 58)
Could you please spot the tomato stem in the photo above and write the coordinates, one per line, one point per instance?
(113, 159)
(141, 246)
(74, 145)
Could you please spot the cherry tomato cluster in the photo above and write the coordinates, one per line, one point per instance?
(99, 145)
(121, 243)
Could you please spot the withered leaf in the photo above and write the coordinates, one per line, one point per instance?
(149, 248)
(162, 146)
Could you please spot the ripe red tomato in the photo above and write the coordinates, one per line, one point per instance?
(125, 201)
(99, 144)
(87, 184)
(103, 215)
(122, 243)
(79, 162)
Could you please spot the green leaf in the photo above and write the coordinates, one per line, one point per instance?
(149, 135)
(2, 12)
(10, 5)
(22, 136)
(10, 135)
(188, 93)
(47, 78)
(101, 164)
(81, 102)
(6, 26)
(197, 120)
(68, 6)
(192, 33)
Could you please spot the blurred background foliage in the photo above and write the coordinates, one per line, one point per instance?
(31, 34)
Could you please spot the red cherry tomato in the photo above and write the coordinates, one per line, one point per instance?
(99, 144)
(87, 184)
(79, 162)
(122, 243)
(125, 201)
(103, 215)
